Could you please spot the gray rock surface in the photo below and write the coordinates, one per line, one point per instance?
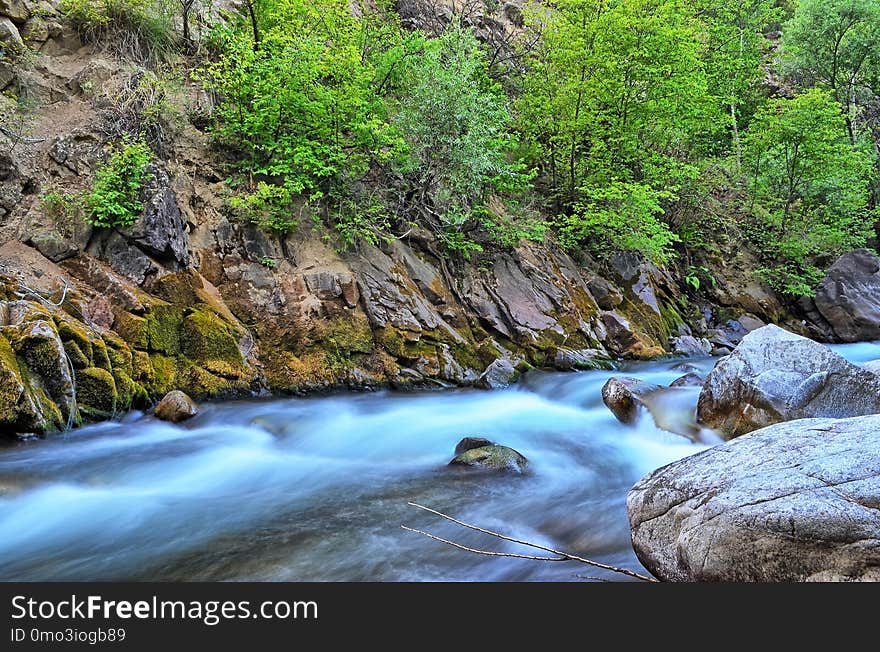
(848, 298)
(774, 376)
(792, 502)
(498, 375)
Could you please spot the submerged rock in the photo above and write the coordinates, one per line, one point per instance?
(792, 502)
(623, 396)
(469, 443)
(775, 376)
(176, 406)
(848, 298)
(491, 458)
(690, 379)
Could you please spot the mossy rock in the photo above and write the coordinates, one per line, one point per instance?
(132, 329)
(96, 392)
(390, 339)
(163, 328)
(100, 357)
(293, 374)
(492, 458)
(78, 359)
(48, 417)
(205, 337)
(131, 395)
(120, 359)
(12, 384)
(159, 376)
(38, 344)
(69, 332)
(201, 383)
(349, 334)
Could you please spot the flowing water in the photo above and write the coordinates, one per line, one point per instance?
(317, 488)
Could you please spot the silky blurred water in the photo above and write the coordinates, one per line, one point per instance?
(317, 488)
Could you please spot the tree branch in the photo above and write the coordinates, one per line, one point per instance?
(561, 556)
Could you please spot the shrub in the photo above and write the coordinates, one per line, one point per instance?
(144, 28)
(114, 199)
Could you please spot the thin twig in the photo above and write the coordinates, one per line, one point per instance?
(491, 553)
(564, 555)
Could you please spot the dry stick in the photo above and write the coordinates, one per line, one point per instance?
(491, 553)
(564, 555)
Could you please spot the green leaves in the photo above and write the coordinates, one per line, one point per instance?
(809, 185)
(114, 199)
(455, 122)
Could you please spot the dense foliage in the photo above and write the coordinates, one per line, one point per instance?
(611, 124)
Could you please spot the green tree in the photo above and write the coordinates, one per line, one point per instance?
(615, 101)
(736, 48)
(298, 109)
(455, 121)
(836, 44)
(809, 186)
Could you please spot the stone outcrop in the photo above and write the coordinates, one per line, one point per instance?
(796, 501)
(848, 298)
(774, 376)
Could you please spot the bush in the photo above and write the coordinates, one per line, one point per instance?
(144, 27)
(114, 199)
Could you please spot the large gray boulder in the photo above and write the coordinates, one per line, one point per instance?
(774, 376)
(796, 501)
(848, 298)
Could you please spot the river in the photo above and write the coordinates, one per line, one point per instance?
(317, 488)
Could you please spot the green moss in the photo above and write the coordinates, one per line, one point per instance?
(11, 383)
(163, 328)
(349, 334)
(390, 339)
(100, 358)
(49, 417)
(78, 359)
(204, 336)
(120, 359)
(179, 289)
(132, 329)
(161, 375)
(130, 394)
(69, 332)
(38, 346)
(199, 383)
(96, 392)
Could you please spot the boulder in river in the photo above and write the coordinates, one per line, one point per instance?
(498, 375)
(492, 458)
(176, 406)
(690, 379)
(791, 502)
(774, 376)
(469, 443)
(848, 298)
(624, 396)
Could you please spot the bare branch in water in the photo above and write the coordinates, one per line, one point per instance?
(561, 556)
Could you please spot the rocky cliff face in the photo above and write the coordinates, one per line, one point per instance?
(96, 321)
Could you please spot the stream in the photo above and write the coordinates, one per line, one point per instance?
(317, 488)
